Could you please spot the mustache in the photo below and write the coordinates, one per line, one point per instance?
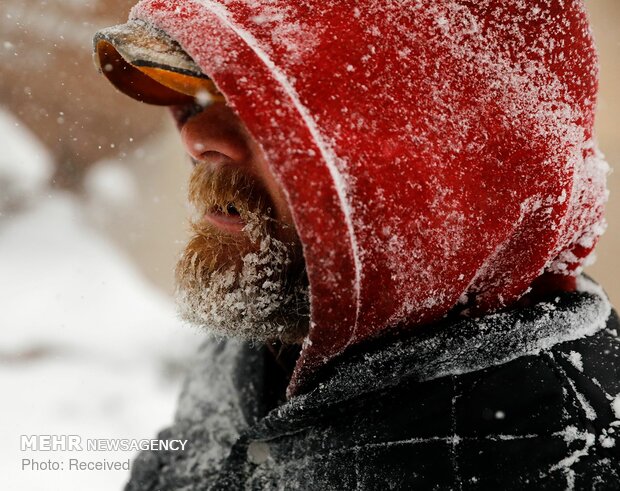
(216, 189)
(228, 189)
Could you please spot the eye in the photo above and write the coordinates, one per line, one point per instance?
(183, 113)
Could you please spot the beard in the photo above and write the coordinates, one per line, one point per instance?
(251, 285)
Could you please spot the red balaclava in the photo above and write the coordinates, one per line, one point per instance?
(434, 154)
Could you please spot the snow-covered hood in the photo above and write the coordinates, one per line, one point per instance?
(432, 152)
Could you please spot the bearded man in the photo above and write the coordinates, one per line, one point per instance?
(393, 205)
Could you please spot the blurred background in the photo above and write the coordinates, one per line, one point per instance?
(91, 220)
(92, 217)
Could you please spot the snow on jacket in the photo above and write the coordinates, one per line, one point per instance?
(524, 399)
(439, 153)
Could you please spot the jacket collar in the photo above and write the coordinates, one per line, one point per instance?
(453, 348)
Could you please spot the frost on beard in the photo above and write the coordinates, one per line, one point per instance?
(256, 299)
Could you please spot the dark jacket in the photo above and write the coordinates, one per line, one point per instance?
(523, 399)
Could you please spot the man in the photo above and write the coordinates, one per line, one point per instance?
(408, 192)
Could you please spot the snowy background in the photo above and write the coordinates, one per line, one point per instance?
(87, 345)
(91, 220)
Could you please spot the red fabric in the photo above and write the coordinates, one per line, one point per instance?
(433, 153)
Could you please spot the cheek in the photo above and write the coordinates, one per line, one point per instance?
(283, 212)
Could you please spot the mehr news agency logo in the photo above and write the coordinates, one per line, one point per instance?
(75, 443)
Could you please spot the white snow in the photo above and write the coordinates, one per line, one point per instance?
(615, 406)
(25, 166)
(575, 359)
(87, 347)
(588, 410)
(585, 404)
(109, 183)
(607, 441)
(570, 435)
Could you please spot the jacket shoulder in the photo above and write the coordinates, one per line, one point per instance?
(545, 420)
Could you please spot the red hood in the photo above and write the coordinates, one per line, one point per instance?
(433, 153)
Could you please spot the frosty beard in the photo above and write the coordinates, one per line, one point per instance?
(250, 286)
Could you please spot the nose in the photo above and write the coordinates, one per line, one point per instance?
(215, 135)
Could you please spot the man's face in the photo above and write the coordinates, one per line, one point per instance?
(242, 274)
